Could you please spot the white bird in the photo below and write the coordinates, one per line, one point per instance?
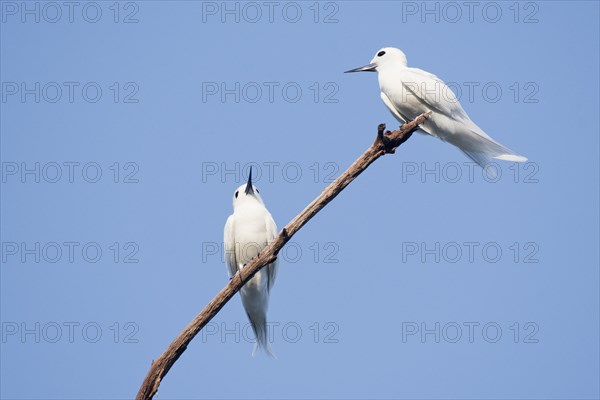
(249, 230)
(408, 92)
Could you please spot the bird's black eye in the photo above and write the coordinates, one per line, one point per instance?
(380, 53)
(257, 191)
(236, 194)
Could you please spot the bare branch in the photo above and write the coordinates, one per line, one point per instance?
(384, 143)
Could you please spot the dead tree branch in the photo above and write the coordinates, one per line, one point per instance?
(384, 143)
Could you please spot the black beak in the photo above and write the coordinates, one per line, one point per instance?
(249, 188)
(366, 68)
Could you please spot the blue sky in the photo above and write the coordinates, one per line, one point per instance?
(126, 127)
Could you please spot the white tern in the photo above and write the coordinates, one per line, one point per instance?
(408, 92)
(247, 232)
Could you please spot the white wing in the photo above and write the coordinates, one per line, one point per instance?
(432, 93)
(421, 91)
(388, 103)
(229, 246)
(271, 234)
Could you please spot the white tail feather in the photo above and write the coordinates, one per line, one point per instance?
(511, 157)
(259, 326)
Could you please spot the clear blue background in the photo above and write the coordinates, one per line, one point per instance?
(376, 290)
